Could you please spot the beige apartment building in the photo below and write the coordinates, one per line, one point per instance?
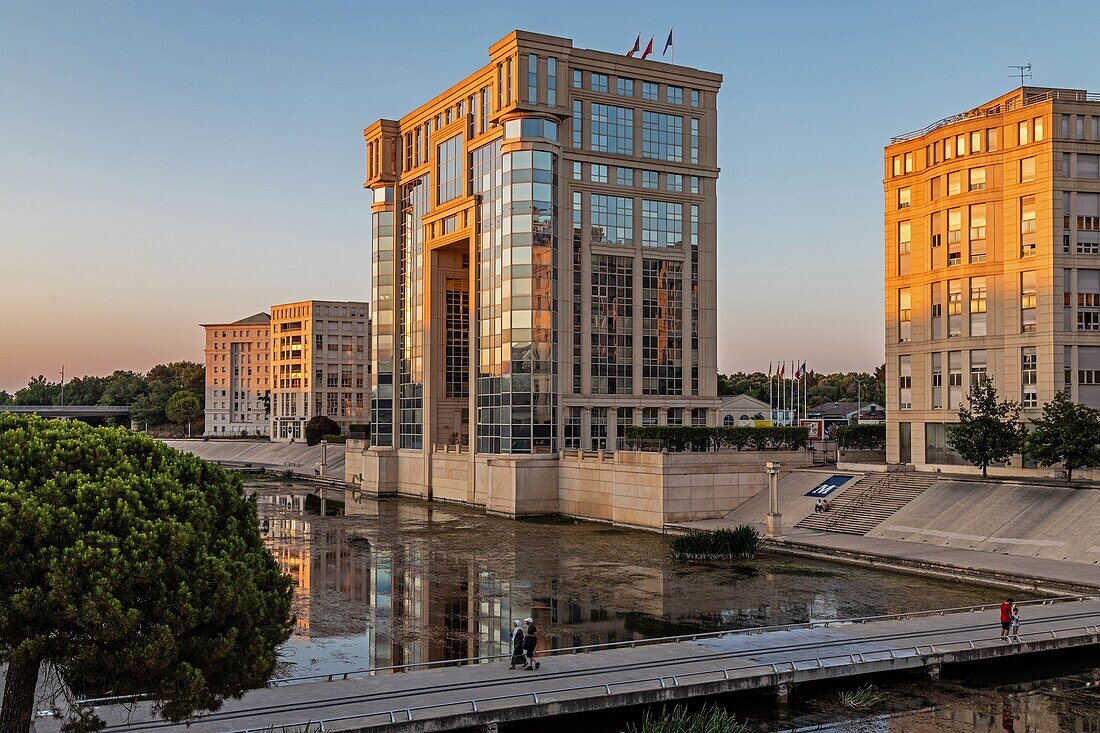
(992, 263)
(543, 257)
(237, 377)
(320, 365)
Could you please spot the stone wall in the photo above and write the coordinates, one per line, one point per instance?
(641, 489)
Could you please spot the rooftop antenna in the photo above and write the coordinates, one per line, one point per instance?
(1024, 72)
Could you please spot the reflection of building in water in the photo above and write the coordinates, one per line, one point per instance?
(1039, 709)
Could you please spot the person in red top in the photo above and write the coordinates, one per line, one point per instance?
(1006, 618)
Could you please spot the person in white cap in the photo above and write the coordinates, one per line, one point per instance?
(530, 641)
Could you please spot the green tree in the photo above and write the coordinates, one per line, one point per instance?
(989, 430)
(6, 398)
(183, 407)
(318, 427)
(131, 568)
(85, 390)
(1067, 433)
(39, 391)
(123, 388)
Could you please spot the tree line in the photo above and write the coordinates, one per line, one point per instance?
(820, 387)
(149, 396)
(990, 431)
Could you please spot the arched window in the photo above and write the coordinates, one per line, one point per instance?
(744, 417)
(727, 421)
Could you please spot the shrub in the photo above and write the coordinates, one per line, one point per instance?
(740, 543)
(861, 437)
(318, 427)
(710, 719)
(679, 438)
(337, 439)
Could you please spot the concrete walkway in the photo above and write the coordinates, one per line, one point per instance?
(452, 697)
(996, 568)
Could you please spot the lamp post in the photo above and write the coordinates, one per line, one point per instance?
(859, 398)
(774, 519)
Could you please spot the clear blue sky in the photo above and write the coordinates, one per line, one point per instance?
(163, 165)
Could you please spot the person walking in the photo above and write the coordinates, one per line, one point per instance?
(517, 645)
(1006, 618)
(1015, 622)
(530, 641)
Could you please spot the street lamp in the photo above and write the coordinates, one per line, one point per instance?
(859, 398)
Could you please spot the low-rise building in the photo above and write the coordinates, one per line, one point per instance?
(238, 382)
(320, 364)
(742, 409)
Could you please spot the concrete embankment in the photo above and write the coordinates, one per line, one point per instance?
(297, 457)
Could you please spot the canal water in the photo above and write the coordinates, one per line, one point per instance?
(397, 581)
(382, 582)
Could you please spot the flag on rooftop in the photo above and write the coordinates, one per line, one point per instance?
(637, 46)
(648, 49)
(668, 43)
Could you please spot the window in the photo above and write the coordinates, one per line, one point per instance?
(674, 182)
(598, 173)
(612, 219)
(905, 316)
(624, 176)
(1027, 226)
(662, 136)
(552, 81)
(674, 416)
(649, 90)
(649, 179)
(449, 173)
(979, 368)
(1028, 297)
(1088, 300)
(1029, 369)
(612, 129)
(908, 162)
(954, 237)
(694, 140)
(935, 188)
(960, 145)
(1088, 166)
(1038, 128)
(1023, 137)
(905, 382)
(674, 95)
(1088, 213)
(531, 127)
(977, 233)
(624, 87)
(532, 78)
(977, 179)
(599, 428)
(577, 84)
(905, 246)
(1065, 127)
(694, 97)
(954, 183)
(694, 183)
(612, 335)
(662, 328)
(904, 198)
(572, 428)
(577, 123)
(937, 380)
(576, 170)
(991, 140)
(954, 308)
(662, 224)
(975, 141)
(977, 306)
(948, 149)
(897, 165)
(954, 379)
(598, 82)
(936, 299)
(1027, 170)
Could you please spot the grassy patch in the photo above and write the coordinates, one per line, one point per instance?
(739, 543)
(710, 719)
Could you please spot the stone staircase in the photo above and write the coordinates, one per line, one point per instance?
(870, 501)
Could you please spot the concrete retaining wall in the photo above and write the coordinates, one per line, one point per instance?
(297, 457)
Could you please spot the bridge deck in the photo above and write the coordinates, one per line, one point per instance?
(446, 698)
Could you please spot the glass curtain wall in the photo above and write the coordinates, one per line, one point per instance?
(383, 305)
(414, 205)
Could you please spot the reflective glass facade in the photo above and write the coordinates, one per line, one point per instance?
(383, 274)
(662, 136)
(414, 204)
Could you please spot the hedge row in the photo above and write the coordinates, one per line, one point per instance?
(679, 438)
(861, 437)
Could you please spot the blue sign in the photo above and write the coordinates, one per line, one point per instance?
(828, 486)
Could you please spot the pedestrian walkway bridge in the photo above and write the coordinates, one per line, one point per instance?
(449, 695)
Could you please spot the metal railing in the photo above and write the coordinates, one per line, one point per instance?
(632, 643)
(406, 714)
(870, 493)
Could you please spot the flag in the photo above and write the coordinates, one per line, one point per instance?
(799, 371)
(782, 368)
(637, 46)
(648, 49)
(769, 370)
(668, 43)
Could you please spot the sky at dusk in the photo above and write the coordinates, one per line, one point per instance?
(167, 164)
